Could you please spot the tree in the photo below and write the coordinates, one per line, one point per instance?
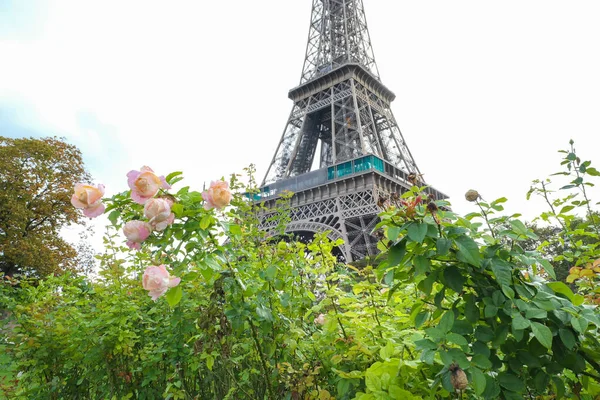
(37, 177)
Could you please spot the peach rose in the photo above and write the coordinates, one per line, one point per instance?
(136, 232)
(157, 281)
(158, 212)
(144, 184)
(88, 198)
(217, 196)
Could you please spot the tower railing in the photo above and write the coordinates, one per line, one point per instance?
(337, 172)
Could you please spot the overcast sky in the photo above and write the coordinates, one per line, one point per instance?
(487, 92)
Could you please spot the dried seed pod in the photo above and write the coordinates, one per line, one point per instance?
(432, 207)
(458, 378)
(414, 178)
(472, 195)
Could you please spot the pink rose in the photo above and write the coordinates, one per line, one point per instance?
(136, 232)
(145, 184)
(320, 320)
(157, 281)
(89, 199)
(217, 196)
(158, 211)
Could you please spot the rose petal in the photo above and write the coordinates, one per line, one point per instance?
(76, 202)
(131, 177)
(94, 210)
(133, 245)
(93, 194)
(165, 185)
(138, 198)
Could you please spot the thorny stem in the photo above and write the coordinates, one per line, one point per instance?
(337, 313)
(263, 363)
(587, 201)
(374, 308)
(375, 311)
(487, 221)
(545, 194)
(410, 354)
(593, 363)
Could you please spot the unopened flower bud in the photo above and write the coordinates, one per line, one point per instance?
(472, 195)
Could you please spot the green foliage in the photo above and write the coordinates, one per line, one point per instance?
(486, 306)
(572, 245)
(453, 306)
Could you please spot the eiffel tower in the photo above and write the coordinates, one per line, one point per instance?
(341, 150)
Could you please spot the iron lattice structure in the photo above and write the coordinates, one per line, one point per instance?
(341, 149)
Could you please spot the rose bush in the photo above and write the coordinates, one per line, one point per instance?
(453, 306)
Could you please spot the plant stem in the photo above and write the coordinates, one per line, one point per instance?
(552, 207)
(485, 216)
(263, 363)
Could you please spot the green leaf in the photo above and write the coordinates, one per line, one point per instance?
(479, 381)
(566, 209)
(205, 222)
(579, 324)
(592, 172)
(503, 273)
(421, 318)
(393, 232)
(484, 333)
(548, 267)
(210, 362)
(481, 361)
(541, 381)
(114, 216)
(454, 278)
(177, 209)
(519, 227)
(481, 348)
(468, 249)
(542, 333)
(174, 296)
(264, 313)
(387, 351)
(471, 309)
(235, 230)
(425, 344)
(462, 327)
(519, 323)
(536, 313)
(422, 265)
(443, 246)
(567, 338)
(172, 175)
(492, 390)
(561, 288)
(446, 321)
(490, 311)
(457, 339)
(511, 382)
(397, 253)
(417, 231)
